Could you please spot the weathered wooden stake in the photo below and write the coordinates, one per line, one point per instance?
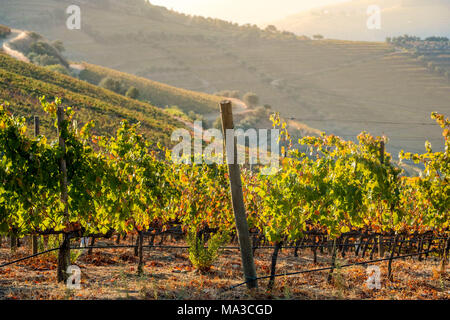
(273, 267)
(140, 252)
(13, 243)
(333, 263)
(380, 246)
(34, 238)
(420, 248)
(64, 251)
(382, 150)
(445, 252)
(91, 245)
(237, 198)
(390, 276)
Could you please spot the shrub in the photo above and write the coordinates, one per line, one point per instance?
(42, 48)
(35, 36)
(111, 84)
(201, 256)
(4, 31)
(437, 39)
(58, 44)
(318, 37)
(132, 93)
(43, 59)
(218, 123)
(58, 68)
(447, 75)
(229, 94)
(251, 99)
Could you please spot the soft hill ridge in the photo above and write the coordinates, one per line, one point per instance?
(21, 85)
(157, 93)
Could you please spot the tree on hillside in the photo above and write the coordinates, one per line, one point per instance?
(4, 31)
(58, 68)
(111, 84)
(132, 93)
(58, 44)
(43, 59)
(229, 94)
(318, 37)
(271, 29)
(251, 99)
(218, 123)
(437, 39)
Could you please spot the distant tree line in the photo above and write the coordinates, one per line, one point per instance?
(408, 38)
(119, 87)
(4, 31)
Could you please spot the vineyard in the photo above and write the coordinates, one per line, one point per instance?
(341, 197)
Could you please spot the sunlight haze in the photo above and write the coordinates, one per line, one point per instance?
(248, 11)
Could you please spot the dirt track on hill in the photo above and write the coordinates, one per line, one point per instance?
(15, 35)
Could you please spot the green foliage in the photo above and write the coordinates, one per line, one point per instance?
(132, 93)
(58, 45)
(112, 84)
(4, 31)
(42, 59)
(251, 99)
(437, 39)
(229, 94)
(44, 54)
(431, 192)
(202, 253)
(218, 123)
(58, 68)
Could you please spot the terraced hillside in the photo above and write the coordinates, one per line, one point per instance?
(341, 87)
(157, 93)
(21, 85)
(432, 52)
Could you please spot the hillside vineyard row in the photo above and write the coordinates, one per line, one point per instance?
(86, 185)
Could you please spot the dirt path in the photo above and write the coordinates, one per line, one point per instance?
(76, 68)
(15, 35)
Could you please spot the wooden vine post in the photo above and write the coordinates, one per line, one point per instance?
(394, 245)
(34, 238)
(64, 251)
(380, 237)
(445, 252)
(273, 266)
(333, 263)
(237, 197)
(13, 242)
(140, 269)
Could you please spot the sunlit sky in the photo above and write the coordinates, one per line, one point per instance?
(244, 11)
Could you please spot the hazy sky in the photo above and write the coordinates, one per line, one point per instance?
(243, 11)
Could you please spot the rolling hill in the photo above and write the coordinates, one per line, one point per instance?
(21, 85)
(342, 87)
(157, 93)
